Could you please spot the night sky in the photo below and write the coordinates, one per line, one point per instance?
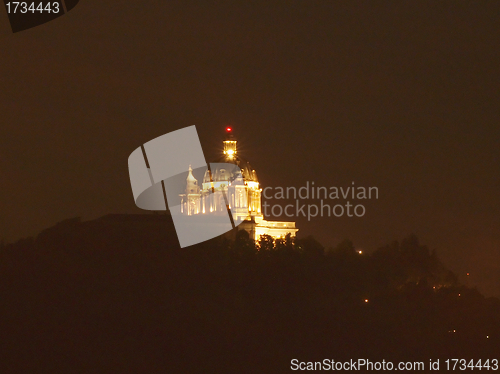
(401, 96)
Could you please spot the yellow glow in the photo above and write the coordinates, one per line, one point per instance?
(230, 152)
(360, 252)
(366, 300)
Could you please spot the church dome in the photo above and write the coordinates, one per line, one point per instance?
(222, 172)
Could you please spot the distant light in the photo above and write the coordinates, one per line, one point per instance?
(459, 295)
(366, 300)
(360, 252)
(468, 274)
(454, 330)
(487, 336)
(228, 129)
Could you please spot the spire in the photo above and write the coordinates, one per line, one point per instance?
(190, 176)
(192, 182)
(229, 133)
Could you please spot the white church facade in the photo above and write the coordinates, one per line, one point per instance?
(241, 193)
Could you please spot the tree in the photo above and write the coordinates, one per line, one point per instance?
(243, 245)
(309, 246)
(344, 248)
(266, 243)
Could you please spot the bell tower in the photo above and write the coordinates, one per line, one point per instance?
(191, 199)
(229, 144)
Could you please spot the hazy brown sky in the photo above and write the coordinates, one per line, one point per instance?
(402, 96)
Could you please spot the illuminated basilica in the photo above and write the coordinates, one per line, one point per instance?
(240, 192)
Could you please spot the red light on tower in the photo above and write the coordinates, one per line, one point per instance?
(228, 129)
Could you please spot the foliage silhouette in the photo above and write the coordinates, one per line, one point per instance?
(117, 294)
